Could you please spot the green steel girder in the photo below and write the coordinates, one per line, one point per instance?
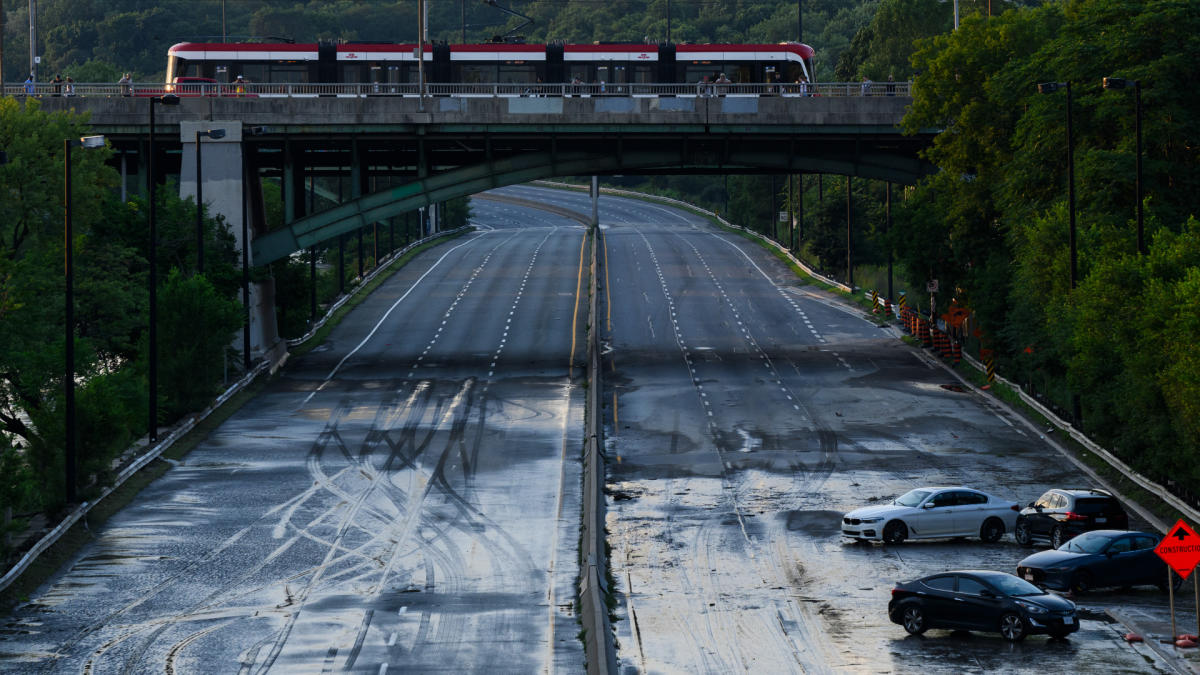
(495, 172)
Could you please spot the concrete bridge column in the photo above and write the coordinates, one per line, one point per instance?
(226, 185)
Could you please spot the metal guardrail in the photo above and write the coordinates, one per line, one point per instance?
(466, 90)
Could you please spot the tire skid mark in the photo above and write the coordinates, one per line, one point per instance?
(178, 647)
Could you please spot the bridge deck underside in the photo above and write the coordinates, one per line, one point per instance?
(437, 164)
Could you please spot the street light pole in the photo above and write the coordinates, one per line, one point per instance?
(151, 185)
(1048, 88)
(69, 272)
(1121, 83)
(69, 374)
(213, 134)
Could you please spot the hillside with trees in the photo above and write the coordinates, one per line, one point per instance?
(991, 225)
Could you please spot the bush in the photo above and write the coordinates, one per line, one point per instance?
(195, 325)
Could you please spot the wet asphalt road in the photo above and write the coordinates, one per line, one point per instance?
(404, 498)
(745, 414)
(415, 507)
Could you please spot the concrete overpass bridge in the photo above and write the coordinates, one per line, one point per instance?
(426, 151)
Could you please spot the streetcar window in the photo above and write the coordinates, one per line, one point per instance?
(644, 73)
(739, 71)
(602, 74)
(352, 73)
(184, 69)
(697, 70)
(517, 71)
(252, 72)
(289, 71)
(477, 73)
(376, 72)
(579, 70)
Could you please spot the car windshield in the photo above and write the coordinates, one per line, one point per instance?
(912, 497)
(1010, 585)
(1090, 542)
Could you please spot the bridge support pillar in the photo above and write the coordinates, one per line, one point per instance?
(595, 201)
(225, 188)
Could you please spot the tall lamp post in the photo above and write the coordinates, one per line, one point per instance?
(1049, 88)
(213, 134)
(151, 185)
(69, 272)
(1136, 85)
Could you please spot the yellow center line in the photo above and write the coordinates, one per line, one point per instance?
(607, 291)
(612, 360)
(575, 314)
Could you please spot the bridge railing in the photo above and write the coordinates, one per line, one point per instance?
(464, 90)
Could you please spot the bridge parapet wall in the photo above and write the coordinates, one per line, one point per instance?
(518, 111)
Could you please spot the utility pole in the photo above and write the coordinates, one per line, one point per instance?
(1, 41)
(668, 20)
(421, 54)
(799, 20)
(33, 39)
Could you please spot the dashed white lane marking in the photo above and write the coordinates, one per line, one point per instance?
(385, 317)
(391, 640)
(383, 668)
(458, 297)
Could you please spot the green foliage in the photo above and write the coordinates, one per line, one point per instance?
(994, 221)
(196, 323)
(456, 213)
(98, 38)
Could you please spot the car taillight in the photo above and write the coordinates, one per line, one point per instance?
(1071, 515)
(895, 591)
(1016, 508)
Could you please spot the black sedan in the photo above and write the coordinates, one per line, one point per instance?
(981, 600)
(1098, 559)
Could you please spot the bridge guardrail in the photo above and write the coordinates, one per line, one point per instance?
(441, 89)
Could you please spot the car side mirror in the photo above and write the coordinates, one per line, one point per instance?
(927, 505)
(1039, 508)
(985, 593)
(1110, 553)
(1030, 505)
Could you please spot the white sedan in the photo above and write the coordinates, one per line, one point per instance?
(932, 513)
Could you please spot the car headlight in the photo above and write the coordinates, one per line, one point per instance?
(1032, 608)
(867, 521)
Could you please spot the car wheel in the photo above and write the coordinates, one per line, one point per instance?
(1082, 582)
(895, 532)
(992, 530)
(1012, 627)
(914, 620)
(1176, 582)
(1058, 536)
(1023, 534)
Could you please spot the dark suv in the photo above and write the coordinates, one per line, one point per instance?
(1060, 514)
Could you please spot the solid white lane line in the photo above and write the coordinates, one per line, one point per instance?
(385, 318)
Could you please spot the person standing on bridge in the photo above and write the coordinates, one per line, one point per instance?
(57, 82)
(30, 87)
(866, 86)
(126, 83)
(69, 90)
(721, 82)
(890, 87)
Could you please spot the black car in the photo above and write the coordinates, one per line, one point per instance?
(983, 601)
(1061, 514)
(1099, 559)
